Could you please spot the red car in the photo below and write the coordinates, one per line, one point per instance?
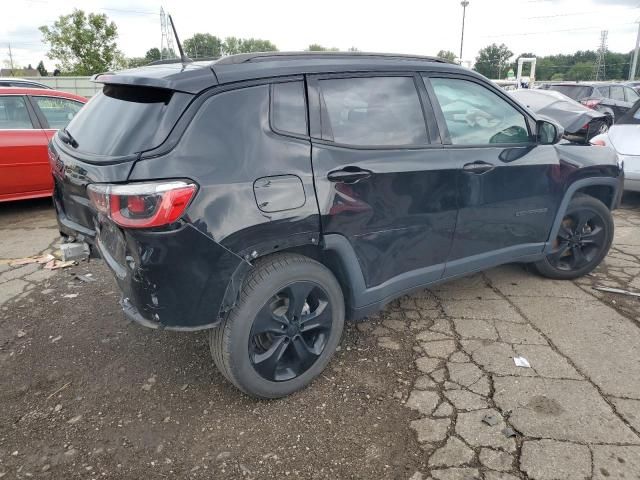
(29, 117)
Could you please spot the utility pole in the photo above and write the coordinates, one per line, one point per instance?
(634, 63)
(11, 61)
(465, 4)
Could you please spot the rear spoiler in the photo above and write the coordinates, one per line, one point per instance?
(176, 77)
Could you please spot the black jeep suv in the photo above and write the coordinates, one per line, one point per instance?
(266, 197)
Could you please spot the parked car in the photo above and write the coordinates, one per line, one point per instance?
(634, 84)
(21, 82)
(580, 123)
(613, 99)
(266, 197)
(29, 117)
(624, 137)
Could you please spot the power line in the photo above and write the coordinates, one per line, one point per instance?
(574, 14)
(552, 31)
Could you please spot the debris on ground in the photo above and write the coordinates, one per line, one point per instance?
(491, 419)
(521, 362)
(509, 432)
(616, 290)
(70, 295)
(35, 259)
(56, 264)
(74, 251)
(21, 333)
(84, 278)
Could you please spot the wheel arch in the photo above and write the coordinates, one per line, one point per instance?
(605, 189)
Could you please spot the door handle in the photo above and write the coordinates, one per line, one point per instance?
(348, 175)
(478, 167)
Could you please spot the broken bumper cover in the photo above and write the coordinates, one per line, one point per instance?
(169, 279)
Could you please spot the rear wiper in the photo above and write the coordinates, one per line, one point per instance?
(66, 137)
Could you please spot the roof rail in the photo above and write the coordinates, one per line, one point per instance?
(266, 56)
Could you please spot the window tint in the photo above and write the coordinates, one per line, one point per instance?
(477, 116)
(57, 111)
(14, 113)
(373, 111)
(122, 119)
(631, 95)
(617, 93)
(288, 112)
(577, 92)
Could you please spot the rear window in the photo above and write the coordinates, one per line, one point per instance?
(123, 120)
(577, 92)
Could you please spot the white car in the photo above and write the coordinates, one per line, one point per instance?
(624, 138)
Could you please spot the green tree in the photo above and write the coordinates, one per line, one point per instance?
(135, 62)
(234, 45)
(316, 47)
(152, 54)
(82, 44)
(447, 55)
(493, 60)
(203, 45)
(43, 71)
(580, 71)
(557, 77)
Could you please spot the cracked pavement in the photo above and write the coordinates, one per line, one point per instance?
(427, 388)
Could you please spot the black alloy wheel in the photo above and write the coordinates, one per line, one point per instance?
(290, 332)
(581, 238)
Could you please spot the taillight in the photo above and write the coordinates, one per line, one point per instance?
(142, 205)
(591, 102)
(599, 142)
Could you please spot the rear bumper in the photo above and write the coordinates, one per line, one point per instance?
(174, 279)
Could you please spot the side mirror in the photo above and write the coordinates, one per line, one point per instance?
(548, 133)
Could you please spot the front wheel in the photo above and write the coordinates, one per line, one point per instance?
(284, 329)
(583, 240)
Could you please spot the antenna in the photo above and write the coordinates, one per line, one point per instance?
(183, 57)
(599, 70)
(166, 42)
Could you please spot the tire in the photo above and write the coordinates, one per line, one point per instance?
(577, 251)
(284, 329)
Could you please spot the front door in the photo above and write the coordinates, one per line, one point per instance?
(507, 193)
(382, 178)
(24, 165)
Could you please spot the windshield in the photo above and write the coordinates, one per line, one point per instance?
(122, 120)
(577, 92)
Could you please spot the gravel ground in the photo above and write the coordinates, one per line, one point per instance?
(86, 394)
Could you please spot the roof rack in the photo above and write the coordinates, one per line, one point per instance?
(266, 56)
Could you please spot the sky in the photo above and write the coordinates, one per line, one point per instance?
(402, 26)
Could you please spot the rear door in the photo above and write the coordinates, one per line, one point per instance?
(24, 169)
(54, 113)
(382, 178)
(507, 191)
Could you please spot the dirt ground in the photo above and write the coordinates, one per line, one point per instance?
(86, 394)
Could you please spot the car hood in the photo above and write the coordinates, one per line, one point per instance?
(625, 139)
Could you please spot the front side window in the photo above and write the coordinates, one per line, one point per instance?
(288, 110)
(617, 93)
(631, 95)
(374, 111)
(58, 111)
(476, 116)
(14, 114)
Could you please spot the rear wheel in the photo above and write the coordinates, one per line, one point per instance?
(284, 329)
(584, 239)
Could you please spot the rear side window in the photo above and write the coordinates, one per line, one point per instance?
(376, 111)
(288, 110)
(477, 116)
(577, 92)
(14, 113)
(123, 120)
(603, 91)
(58, 111)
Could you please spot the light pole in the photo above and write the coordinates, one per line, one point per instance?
(464, 4)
